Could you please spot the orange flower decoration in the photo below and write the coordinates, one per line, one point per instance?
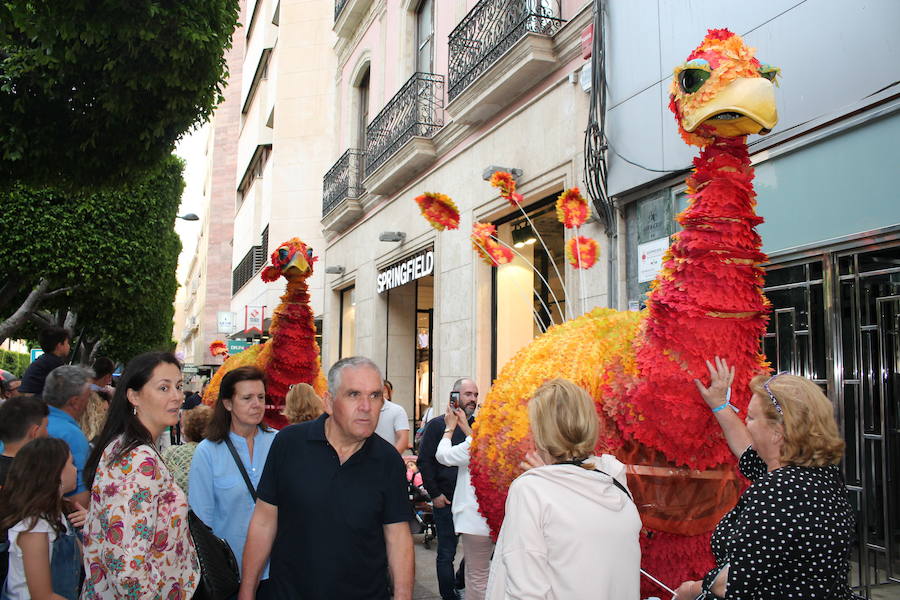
(218, 348)
(571, 208)
(489, 249)
(505, 182)
(582, 252)
(439, 210)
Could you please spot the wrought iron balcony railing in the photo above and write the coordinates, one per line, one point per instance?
(490, 29)
(343, 180)
(338, 7)
(417, 110)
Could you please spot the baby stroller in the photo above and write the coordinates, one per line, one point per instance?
(422, 507)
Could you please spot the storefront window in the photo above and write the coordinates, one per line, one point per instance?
(348, 323)
(531, 289)
(650, 221)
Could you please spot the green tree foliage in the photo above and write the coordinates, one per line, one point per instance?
(115, 249)
(99, 90)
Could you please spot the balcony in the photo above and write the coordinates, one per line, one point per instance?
(398, 140)
(348, 14)
(498, 51)
(341, 188)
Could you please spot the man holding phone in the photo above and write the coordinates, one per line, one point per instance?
(440, 482)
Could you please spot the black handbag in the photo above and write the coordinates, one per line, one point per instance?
(219, 575)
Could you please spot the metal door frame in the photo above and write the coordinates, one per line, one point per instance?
(834, 372)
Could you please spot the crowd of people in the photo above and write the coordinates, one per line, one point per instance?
(94, 506)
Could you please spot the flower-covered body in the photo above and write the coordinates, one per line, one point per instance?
(292, 354)
(640, 367)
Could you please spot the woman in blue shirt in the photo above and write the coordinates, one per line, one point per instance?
(218, 493)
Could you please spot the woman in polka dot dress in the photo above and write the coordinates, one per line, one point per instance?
(789, 535)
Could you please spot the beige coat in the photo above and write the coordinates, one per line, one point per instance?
(569, 534)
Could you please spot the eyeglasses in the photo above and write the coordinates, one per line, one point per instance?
(775, 402)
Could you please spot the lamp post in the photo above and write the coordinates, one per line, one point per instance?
(188, 217)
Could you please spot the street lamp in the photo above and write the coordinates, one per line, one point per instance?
(188, 217)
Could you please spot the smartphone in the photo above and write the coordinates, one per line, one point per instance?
(454, 399)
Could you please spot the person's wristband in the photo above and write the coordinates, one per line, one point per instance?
(726, 403)
(721, 406)
(448, 430)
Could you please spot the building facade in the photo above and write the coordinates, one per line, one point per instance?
(204, 296)
(432, 96)
(285, 113)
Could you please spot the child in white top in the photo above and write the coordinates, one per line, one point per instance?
(33, 509)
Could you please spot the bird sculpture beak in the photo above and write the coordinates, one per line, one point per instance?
(744, 106)
(298, 262)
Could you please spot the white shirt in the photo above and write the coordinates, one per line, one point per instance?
(16, 588)
(466, 518)
(568, 534)
(391, 420)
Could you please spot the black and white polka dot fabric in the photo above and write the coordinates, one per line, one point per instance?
(788, 537)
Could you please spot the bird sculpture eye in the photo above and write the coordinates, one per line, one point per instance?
(692, 80)
(768, 72)
(283, 254)
(309, 252)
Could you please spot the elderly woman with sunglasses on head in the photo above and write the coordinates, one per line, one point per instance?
(789, 535)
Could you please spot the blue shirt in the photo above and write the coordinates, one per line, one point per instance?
(62, 425)
(217, 492)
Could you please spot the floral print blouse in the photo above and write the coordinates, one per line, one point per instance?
(137, 544)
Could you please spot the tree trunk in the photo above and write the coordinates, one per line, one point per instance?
(20, 317)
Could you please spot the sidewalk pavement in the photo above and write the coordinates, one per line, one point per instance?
(426, 586)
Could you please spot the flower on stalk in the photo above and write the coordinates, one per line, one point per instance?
(582, 252)
(439, 210)
(571, 208)
(504, 181)
(488, 248)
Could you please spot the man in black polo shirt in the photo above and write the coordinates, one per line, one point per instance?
(333, 510)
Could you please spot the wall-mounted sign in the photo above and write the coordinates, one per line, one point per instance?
(225, 320)
(650, 257)
(235, 346)
(408, 269)
(253, 318)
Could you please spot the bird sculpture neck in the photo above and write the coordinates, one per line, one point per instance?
(708, 297)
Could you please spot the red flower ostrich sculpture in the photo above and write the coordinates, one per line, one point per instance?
(291, 355)
(640, 367)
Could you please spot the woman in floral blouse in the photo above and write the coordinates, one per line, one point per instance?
(136, 539)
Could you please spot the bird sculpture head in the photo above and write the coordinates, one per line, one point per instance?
(722, 90)
(292, 259)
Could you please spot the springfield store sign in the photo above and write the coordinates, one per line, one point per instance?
(410, 269)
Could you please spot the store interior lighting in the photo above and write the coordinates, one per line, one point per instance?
(523, 235)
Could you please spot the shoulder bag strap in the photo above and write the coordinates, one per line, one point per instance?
(615, 481)
(240, 466)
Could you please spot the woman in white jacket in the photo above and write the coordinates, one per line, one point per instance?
(476, 540)
(571, 528)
